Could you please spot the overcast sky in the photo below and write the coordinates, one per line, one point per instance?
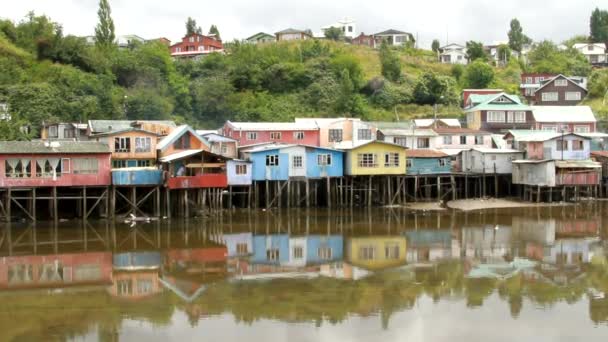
(481, 20)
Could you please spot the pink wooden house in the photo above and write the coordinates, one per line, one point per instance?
(56, 163)
(251, 133)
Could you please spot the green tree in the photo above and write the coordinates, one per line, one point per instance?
(517, 38)
(433, 89)
(192, 28)
(503, 53)
(475, 51)
(390, 64)
(214, 31)
(348, 102)
(334, 33)
(435, 45)
(598, 83)
(104, 31)
(599, 26)
(478, 75)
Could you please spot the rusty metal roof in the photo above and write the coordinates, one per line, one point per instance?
(424, 153)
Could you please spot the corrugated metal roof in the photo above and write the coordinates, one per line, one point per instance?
(418, 132)
(179, 155)
(496, 150)
(453, 151)
(454, 130)
(53, 147)
(120, 131)
(214, 137)
(546, 135)
(176, 133)
(563, 114)
(487, 104)
(600, 154)
(392, 124)
(429, 122)
(270, 126)
(423, 153)
(102, 126)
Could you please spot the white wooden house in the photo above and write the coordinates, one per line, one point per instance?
(489, 160)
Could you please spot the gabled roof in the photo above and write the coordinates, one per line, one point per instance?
(488, 103)
(391, 32)
(273, 126)
(260, 35)
(102, 126)
(175, 134)
(574, 114)
(546, 136)
(354, 147)
(453, 45)
(425, 153)
(179, 155)
(560, 76)
(409, 132)
(285, 146)
(429, 122)
(126, 130)
(53, 147)
(454, 130)
(214, 137)
(292, 31)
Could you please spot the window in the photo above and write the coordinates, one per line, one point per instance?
(182, 143)
(65, 165)
(408, 163)
(144, 286)
(241, 169)
(324, 159)
(391, 250)
(53, 131)
(561, 82)
(242, 248)
(142, 144)
(367, 253)
(122, 144)
(577, 145)
(424, 142)
(272, 160)
(495, 116)
(119, 164)
(573, 96)
(391, 159)
(223, 149)
(335, 135)
(443, 162)
(529, 92)
(298, 252)
(401, 141)
(296, 162)
(364, 134)
(47, 168)
(324, 253)
(298, 135)
(581, 129)
(447, 140)
(463, 140)
(85, 165)
(17, 168)
(553, 96)
(549, 128)
(529, 80)
(201, 48)
(191, 39)
(479, 140)
(589, 47)
(68, 133)
(252, 135)
(350, 29)
(124, 287)
(275, 135)
(520, 116)
(143, 163)
(272, 254)
(366, 160)
(562, 145)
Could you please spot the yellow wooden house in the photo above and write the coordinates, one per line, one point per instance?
(376, 252)
(375, 158)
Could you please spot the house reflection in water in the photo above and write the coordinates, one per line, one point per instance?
(58, 270)
(343, 270)
(490, 242)
(431, 245)
(376, 252)
(136, 275)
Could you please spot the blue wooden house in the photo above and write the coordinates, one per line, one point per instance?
(295, 161)
(137, 176)
(322, 249)
(239, 172)
(272, 249)
(427, 162)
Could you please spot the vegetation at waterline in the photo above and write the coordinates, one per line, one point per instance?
(47, 76)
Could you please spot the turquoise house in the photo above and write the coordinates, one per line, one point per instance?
(281, 162)
(322, 249)
(427, 162)
(137, 176)
(272, 249)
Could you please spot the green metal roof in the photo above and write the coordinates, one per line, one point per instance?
(487, 103)
(53, 147)
(260, 35)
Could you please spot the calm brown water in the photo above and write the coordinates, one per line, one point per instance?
(530, 274)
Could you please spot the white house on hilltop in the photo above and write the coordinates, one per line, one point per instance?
(453, 54)
(348, 26)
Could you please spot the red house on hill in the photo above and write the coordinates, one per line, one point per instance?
(251, 133)
(56, 163)
(196, 45)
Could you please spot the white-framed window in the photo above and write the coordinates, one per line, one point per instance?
(241, 169)
(122, 144)
(551, 96)
(367, 253)
(298, 135)
(252, 135)
(242, 248)
(298, 252)
(443, 162)
(272, 160)
(272, 254)
(335, 135)
(324, 253)
(581, 129)
(408, 163)
(275, 135)
(561, 145)
(573, 96)
(502, 99)
(191, 39)
(364, 134)
(143, 163)
(424, 142)
(496, 116)
(447, 140)
(324, 159)
(85, 166)
(401, 141)
(65, 165)
(529, 91)
(577, 145)
(479, 140)
(391, 250)
(223, 149)
(520, 116)
(53, 131)
(561, 82)
(552, 128)
(391, 159)
(463, 140)
(529, 80)
(143, 144)
(297, 162)
(119, 164)
(366, 160)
